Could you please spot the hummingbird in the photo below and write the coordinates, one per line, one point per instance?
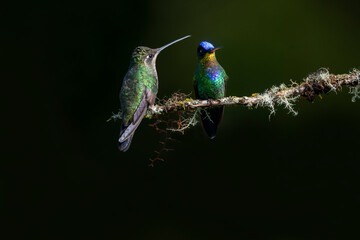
(209, 83)
(138, 92)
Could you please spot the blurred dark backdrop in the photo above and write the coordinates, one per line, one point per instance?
(288, 178)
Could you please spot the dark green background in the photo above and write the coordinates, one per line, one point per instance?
(288, 178)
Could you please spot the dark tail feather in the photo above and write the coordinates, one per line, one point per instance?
(124, 146)
(211, 118)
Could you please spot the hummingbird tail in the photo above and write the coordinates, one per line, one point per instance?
(211, 118)
(127, 130)
(124, 146)
(124, 143)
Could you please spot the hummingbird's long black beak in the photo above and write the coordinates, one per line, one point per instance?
(163, 47)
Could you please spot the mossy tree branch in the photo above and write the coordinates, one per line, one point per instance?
(320, 82)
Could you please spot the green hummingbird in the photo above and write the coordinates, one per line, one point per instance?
(209, 83)
(138, 91)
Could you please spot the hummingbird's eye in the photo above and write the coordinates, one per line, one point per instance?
(151, 56)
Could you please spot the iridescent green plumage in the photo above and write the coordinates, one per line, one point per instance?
(140, 76)
(138, 92)
(210, 78)
(210, 83)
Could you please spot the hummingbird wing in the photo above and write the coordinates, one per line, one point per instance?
(128, 130)
(147, 100)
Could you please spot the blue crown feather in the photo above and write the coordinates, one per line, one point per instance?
(206, 45)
